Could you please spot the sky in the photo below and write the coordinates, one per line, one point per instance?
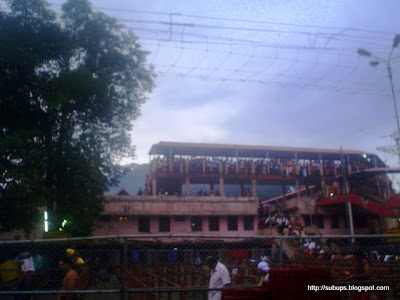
(273, 73)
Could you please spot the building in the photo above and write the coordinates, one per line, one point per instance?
(186, 192)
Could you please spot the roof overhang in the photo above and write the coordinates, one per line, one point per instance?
(254, 151)
(372, 206)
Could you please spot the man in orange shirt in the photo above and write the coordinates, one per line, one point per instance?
(69, 283)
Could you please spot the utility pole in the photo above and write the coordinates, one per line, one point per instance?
(349, 212)
(396, 135)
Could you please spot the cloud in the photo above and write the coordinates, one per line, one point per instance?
(201, 123)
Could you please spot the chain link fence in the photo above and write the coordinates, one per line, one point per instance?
(173, 266)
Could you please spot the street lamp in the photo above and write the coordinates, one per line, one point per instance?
(377, 60)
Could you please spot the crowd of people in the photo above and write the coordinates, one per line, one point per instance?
(283, 222)
(271, 166)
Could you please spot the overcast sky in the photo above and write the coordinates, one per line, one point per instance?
(275, 73)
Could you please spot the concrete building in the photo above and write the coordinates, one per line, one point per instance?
(326, 183)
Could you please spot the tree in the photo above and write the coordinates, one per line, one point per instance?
(69, 90)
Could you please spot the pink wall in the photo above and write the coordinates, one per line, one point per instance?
(177, 227)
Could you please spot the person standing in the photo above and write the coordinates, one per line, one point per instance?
(69, 283)
(263, 268)
(26, 281)
(219, 277)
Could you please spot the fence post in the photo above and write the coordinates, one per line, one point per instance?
(281, 252)
(125, 284)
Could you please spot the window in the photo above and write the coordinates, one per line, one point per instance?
(232, 223)
(360, 221)
(307, 220)
(179, 219)
(144, 224)
(248, 222)
(164, 224)
(334, 222)
(319, 221)
(196, 223)
(213, 223)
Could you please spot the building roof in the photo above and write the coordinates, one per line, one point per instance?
(254, 151)
(372, 206)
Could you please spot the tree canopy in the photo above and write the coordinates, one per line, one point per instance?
(70, 88)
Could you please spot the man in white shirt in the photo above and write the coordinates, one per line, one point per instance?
(26, 281)
(219, 277)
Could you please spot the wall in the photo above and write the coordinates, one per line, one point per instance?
(129, 227)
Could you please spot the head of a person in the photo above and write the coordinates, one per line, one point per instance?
(65, 263)
(212, 261)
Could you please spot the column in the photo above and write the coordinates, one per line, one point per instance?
(321, 168)
(323, 187)
(221, 187)
(241, 189)
(154, 187)
(187, 186)
(298, 189)
(254, 184)
(283, 192)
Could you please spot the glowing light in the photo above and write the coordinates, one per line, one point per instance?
(46, 223)
(64, 223)
(365, 155)
(331, 194)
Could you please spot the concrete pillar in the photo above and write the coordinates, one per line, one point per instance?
(154, 187)
(241, 189)
(323, 187)
(298, 189)
(221, 187)
(187, 166)
(187, 186)
(254, 184)
(283, 194)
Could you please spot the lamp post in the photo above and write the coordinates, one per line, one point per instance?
(377, 60)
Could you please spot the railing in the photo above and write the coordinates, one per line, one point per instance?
(142, 267)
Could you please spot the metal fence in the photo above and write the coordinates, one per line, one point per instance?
(173, 266)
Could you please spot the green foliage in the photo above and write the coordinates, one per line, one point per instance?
(363, 52)
(396, 41)
(69, 91)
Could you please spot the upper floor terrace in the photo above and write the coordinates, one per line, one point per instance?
(174, 164)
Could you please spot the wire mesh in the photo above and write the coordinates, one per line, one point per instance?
(174, 266)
